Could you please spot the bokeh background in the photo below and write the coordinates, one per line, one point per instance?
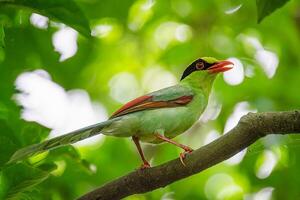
(55, 79)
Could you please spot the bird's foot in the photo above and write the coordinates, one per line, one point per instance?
(145, 165)
(183, 154)
(187, 149)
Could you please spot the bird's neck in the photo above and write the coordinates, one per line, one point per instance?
(199, 82)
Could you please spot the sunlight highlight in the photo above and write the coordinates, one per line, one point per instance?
(107, 29)
(156, 77)
(48, 104)
(235, 76)
(269, 162)
(169, 32)
(65, 42)
(182, 33)
(124, 87)
(264, 194)
(140, 12)
(237, 158)
(240, 109)
(168, 196)
(252, 41)
(102, 30)
(212, 110)
(268, 60)
(221, 186)
(211, 136)
(39, 21)
(233, 9)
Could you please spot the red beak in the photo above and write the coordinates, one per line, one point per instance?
(221, 66)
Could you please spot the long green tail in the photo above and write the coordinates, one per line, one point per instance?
(62, 140)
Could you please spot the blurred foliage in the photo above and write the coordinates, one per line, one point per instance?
(24, 177)
(265, 7)
(151, 42)
(63, 10)
(1, 36)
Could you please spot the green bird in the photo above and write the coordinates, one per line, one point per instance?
(153, 118)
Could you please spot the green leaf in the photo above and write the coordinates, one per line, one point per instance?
(266, 7)
(66, 11)
(2, 35)
(7, 148)
(49, 167)
(16, 133)
(16, 179)
(8, 143)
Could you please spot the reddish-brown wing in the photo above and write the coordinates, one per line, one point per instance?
(146, 102)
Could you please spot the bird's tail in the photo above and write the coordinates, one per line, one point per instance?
(62, 140)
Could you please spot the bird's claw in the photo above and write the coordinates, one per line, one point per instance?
(183, 154)
(188, 149)
(145, 165)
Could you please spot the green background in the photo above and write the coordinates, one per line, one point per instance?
(152, 42)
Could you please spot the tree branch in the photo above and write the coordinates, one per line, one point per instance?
(250, 128)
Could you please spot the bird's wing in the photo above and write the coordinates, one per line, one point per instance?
(169, 97)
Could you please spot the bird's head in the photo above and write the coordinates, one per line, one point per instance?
(206, 68)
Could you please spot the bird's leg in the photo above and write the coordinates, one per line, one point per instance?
(185, 148)
(138, 146)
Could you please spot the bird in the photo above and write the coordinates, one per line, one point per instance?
(155, 117)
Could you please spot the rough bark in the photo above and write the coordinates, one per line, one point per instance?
(250, 128)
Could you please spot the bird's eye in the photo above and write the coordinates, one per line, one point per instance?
(199, 65)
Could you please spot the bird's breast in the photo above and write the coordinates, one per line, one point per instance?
(171, 121)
